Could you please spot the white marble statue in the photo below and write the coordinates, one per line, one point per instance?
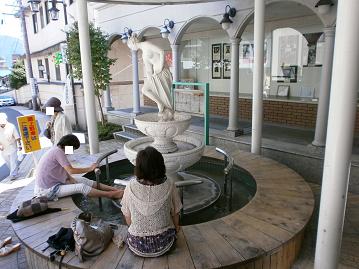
(158, 84)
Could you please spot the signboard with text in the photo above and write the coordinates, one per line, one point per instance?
(29, 133)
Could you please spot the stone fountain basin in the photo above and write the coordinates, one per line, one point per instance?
(150, 125)
(189, 152)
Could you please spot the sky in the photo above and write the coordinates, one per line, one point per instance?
(10, 25)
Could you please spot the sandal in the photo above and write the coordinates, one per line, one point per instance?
(9, 249)
(5, 241)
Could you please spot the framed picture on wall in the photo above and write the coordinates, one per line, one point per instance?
(283, 90)
(227, 70)
(226, 52)
(216, 52)
(216, 70)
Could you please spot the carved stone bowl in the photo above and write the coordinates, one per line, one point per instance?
(163, 132)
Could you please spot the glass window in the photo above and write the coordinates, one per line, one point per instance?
(47, 14)
(47, 69)
(42, 17)
(57, 72)
(40, 68)
(34, 23)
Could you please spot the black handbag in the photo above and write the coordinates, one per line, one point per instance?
(62, 242)
(63, 239)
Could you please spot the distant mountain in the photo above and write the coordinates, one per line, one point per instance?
(8, 46)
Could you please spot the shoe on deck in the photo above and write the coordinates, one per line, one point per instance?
(4, 251)
(5, 241)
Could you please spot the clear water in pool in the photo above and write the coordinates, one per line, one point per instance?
(202, 202)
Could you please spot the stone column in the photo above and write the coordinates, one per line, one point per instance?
(176, 62)
(108, 102)
(86, 64)
(234, 88)
(257, 103)
(341, 123)
(324, 92)
(135, 85)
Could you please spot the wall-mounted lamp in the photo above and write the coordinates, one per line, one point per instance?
(166, 28)
(127, 32)
(324, 6)
(54, 12)
(34, 5)
(226, 21)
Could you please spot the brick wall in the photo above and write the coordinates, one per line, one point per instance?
(279, 112)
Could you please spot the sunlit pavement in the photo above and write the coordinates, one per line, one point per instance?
(12, 113)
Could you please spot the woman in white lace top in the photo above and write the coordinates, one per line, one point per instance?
(151, 206)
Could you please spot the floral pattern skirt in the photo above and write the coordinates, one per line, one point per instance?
(152, 246)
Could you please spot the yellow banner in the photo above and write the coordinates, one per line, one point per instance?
(29, 133)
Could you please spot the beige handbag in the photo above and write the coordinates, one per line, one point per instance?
(90, 240)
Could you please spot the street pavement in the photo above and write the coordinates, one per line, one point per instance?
(12, 113)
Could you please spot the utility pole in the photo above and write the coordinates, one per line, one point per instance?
(33, 84)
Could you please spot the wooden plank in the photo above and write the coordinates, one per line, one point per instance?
(110, 257)
(38, 227)
(265, 227)
(280, 262)
(266, 262)
(130, 261)
(258, 264)
(201, 254)
(273, 261)
(224, 252)
(251, 234)
(180, 257)
(156, 263)
(282, 221)
(247, 248)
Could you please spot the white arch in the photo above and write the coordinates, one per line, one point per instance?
(310, 4)
(187, 24)
(113, 37)
(143, 31)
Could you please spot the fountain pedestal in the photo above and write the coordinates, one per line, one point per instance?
(178, 151)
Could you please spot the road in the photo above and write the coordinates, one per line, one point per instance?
(12, 114)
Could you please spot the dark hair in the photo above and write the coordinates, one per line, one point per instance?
(150, 165)
(69, 140)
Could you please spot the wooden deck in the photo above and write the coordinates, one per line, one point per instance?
(266, 233)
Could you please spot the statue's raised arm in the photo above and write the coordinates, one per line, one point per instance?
(157, 85)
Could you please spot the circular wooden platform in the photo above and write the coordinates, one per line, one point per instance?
(266, 233)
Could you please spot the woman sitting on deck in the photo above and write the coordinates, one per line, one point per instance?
(53, 175)
(151, 206)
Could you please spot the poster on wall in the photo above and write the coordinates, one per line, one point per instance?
(216, 70)
(226, 52)
(227, 70)
(168, 58)
(216, 52)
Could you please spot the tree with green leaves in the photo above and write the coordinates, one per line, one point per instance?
(99, 54)
(17, 76)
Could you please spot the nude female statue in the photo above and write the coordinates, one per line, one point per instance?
(158, 84)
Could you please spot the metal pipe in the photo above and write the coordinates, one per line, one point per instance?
(228, 165)
(97, 174)
(105, 155)
(107, 170)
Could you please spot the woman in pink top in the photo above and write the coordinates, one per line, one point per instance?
(54, 175)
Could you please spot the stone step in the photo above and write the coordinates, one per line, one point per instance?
(247, 130)
(132, 128)
(125, 136)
